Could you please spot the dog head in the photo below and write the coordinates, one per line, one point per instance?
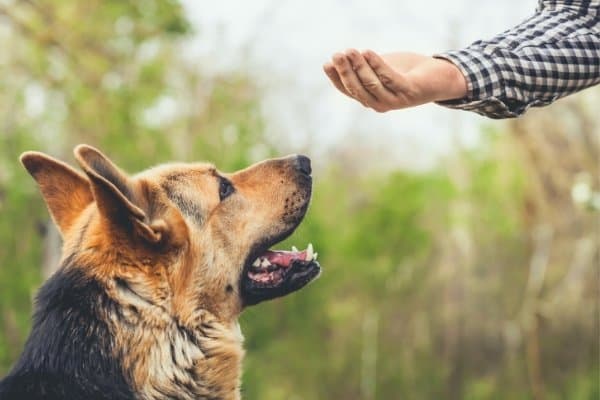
(181, 237)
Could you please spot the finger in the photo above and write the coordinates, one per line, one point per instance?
(351, 82)
(335, 78)
(369, 78)
(391, 79)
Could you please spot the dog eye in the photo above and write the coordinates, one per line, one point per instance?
(225, 189)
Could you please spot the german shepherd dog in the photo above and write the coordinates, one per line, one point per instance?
(155, 270)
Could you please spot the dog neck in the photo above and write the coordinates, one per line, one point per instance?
(89, 340)
(198, 358)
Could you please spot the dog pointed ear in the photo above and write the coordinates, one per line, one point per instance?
(66, 191)
(116, 196)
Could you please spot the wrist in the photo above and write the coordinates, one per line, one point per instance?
(437, 80)
(457, 82)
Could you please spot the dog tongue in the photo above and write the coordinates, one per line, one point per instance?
(284, 258)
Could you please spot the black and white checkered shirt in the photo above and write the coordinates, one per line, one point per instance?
(554, 53)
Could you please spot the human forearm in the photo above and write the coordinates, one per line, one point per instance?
(551, 55)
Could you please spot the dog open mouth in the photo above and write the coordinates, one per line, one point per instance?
(276, 273)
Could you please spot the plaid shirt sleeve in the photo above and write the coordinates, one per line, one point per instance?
(550, 55)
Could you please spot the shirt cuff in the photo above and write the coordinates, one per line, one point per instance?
(485, 86)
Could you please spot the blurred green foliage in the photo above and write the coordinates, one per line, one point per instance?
(427, 286)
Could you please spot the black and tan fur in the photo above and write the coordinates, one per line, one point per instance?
(146, 301)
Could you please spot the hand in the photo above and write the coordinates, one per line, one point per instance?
(394, 81)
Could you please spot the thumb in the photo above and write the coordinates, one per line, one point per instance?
(390, 78)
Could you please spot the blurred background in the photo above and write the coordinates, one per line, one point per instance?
(461, 255)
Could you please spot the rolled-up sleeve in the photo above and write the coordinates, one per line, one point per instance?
(550, 55)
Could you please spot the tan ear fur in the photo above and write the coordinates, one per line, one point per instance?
(66, 191)
(115, 195)
(110, 186)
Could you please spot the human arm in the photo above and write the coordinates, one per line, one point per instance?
(552, 54)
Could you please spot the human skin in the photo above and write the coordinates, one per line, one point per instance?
(396, 80)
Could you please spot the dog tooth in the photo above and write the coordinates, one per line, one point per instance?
(265, 263)
(309, 252)
(294, 249)
(256, 263)
(315, 256)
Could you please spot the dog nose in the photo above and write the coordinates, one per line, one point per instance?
(303, 164)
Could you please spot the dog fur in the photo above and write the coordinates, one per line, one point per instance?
(146, 300)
